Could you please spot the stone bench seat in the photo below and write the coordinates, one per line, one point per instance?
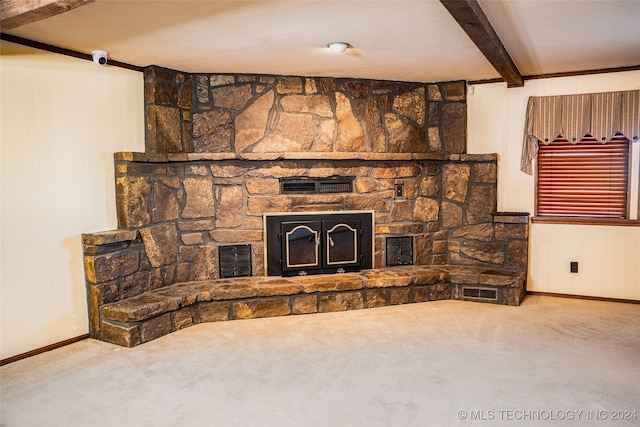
(150, 315)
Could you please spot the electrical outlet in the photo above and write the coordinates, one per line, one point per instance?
(574, 266)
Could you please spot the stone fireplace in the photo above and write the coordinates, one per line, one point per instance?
(226, 152)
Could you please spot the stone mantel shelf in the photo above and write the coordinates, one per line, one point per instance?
(335, 156)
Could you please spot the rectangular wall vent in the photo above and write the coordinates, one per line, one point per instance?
(480, 294)
(316, 186)
(399, 251)
(235, 261)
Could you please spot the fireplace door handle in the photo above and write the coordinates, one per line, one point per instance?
(331, 243)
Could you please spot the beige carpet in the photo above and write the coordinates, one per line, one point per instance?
(552, 361)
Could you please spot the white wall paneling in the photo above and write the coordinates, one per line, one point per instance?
(62, 119)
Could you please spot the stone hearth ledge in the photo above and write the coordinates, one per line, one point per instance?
(148, 316)
(363, 156)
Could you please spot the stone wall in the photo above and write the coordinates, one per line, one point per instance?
(238, 113)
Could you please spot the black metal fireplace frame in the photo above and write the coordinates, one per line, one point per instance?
(273, 241)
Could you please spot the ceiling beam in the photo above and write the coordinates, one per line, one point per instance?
(470, 16)
(15, 13)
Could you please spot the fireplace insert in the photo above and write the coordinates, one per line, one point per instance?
(318, 242)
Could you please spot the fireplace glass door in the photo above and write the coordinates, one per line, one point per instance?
(341, 243)
(319, 242)
(301, 244)
(323, 245)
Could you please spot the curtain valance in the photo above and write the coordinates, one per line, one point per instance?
(600, 115)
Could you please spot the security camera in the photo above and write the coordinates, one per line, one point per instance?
(100, 56)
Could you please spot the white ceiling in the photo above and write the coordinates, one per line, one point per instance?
(410, 40)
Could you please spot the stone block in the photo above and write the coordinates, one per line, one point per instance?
(109, 237)
(132, 201)
(214, 311)
(289, 85)
(376, 298)
(250, 124)
(498, 278)
(183, 318)
(404, 135)
(411, 104)
(232, 97)
(330, 283)
(340, 302)
(398, 171)
(259, 205)
(140, 282)
(481, 204)
(160, 244)
(318, 105)
(262, 308)
(399, 296)
(423, 249)
(155, 328)
(280, 286)
(125, 335)
(483, 232)
(402, 210)
(454, 91)
(163, 129)
(426, 209)
(205, 266)
(165, 204)
(454, 127)
(429, 276)
(212, 132)
(374, 129)
(452, 214)
(433, 93)
(485, 252)
(227, 291)
(236, 236)
(263, 186)
(420, 294)
(183, 270)
(517, 254)
(160, 92)
(138, 308)
(511, 231)
(386, 279)
(107, 267)
(305, 304)
(192, 238)
(440, 292)
(185, 296)
(199, 198)
(455, 181)
(230, 204)
(185, 95)
(98, 295)
(486, 173)
(350, 134)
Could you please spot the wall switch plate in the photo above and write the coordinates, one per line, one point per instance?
(574, 266)
(398, 191)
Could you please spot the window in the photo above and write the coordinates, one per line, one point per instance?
(587, 152)
(587, 179)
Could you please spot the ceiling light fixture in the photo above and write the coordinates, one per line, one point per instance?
(338, 47)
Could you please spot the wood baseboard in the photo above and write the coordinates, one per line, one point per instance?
(552, 294)
(42, 349)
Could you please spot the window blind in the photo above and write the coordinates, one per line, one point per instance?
(584, 179)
